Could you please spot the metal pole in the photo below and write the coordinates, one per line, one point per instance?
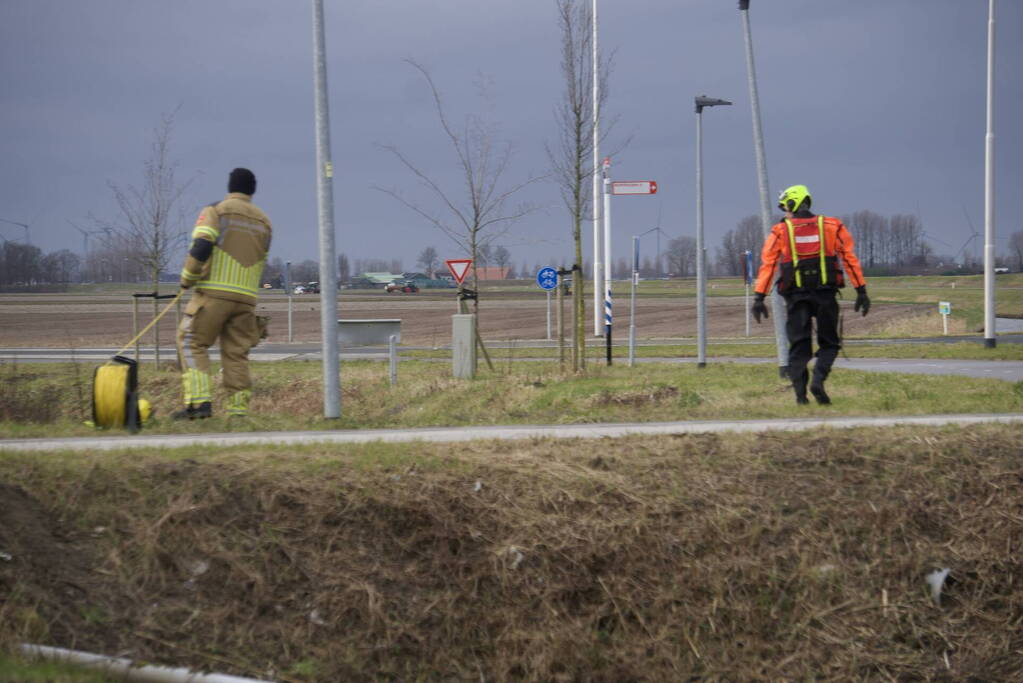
(989, 187)
(777, 304)
(325, 202)
(156, 329)
(549, 313)
(748, 265)
(596, 178)
(632, 307)
(607, 257)
(392, 343)
(288, 290)
(135, 324)
(701, 283)
(561, 325)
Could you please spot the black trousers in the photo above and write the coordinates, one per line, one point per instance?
(803, 308)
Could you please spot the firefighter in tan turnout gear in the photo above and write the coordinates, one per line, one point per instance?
(223, 268)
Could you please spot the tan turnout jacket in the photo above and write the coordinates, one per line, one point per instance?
(240, 234)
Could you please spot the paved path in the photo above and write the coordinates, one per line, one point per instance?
(515, 432)
(1008, 370)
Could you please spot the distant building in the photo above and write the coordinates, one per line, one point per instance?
(493, 272)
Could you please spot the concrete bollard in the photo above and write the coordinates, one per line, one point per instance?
(463, 345)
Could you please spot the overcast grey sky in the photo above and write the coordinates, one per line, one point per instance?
(874, 104)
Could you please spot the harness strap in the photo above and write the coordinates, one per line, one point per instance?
(795, 254)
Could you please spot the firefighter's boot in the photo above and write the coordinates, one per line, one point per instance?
(194, 411)
(817, 388)
(799, 385)
(238, 403)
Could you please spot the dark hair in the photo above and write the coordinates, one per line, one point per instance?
(242, 180)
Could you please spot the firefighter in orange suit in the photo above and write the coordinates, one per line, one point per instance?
(223, 268)
(806, 249)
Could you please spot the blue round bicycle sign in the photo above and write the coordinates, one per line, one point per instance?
(547, 278)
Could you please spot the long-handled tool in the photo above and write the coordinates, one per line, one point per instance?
(115, 401)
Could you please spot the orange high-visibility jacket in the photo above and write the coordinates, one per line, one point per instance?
(804, 234)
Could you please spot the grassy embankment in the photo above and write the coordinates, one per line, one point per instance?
(716, 557)
(38, 400)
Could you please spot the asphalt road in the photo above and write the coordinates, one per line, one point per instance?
(457, 434)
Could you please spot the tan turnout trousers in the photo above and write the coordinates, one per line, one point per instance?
(206, 319)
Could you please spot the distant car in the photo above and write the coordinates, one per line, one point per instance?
(1000, 270)
(312, 288)
(406, 287)
(299, 289)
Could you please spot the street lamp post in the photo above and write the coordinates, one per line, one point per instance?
(989, 187)
(701, 271)
(595, 66)
(777, 304)
(325, 204)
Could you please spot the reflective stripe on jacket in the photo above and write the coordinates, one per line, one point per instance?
(804, 239)
(240, 234)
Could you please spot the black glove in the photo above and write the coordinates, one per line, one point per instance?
(862, 300)
(759, 308)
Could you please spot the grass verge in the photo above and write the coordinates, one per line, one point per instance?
(54, 399)
(790, 556)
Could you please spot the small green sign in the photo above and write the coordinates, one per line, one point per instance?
(945, 307)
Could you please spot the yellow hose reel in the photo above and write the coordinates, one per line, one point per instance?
(115, 401)
(115, 387)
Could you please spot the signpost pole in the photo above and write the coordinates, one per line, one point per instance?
(548, 278)
(749, 278)
(548, 315)
(701, 276)
(632, 307)
(607, 257)
(287, 288)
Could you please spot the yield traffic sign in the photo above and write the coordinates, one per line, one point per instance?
(459, 268)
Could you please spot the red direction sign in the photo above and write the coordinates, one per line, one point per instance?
(459, 268)
(634, 187)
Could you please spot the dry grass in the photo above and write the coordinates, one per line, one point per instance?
(52, 400)
(768, 557)
(921, 326)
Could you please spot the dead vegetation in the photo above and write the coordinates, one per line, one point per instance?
(701, 557)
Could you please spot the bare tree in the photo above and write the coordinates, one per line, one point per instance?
(429, 260)
(485, 254)
(868, 229)
(681, 256)
(151, 217)
(571, 156)
(746, 236)
(482, 213)
(501, 257)
(344, 270)
(1016, 246)
(59, 266)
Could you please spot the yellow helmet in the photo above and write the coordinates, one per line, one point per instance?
(793, 197)
(145, 410)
